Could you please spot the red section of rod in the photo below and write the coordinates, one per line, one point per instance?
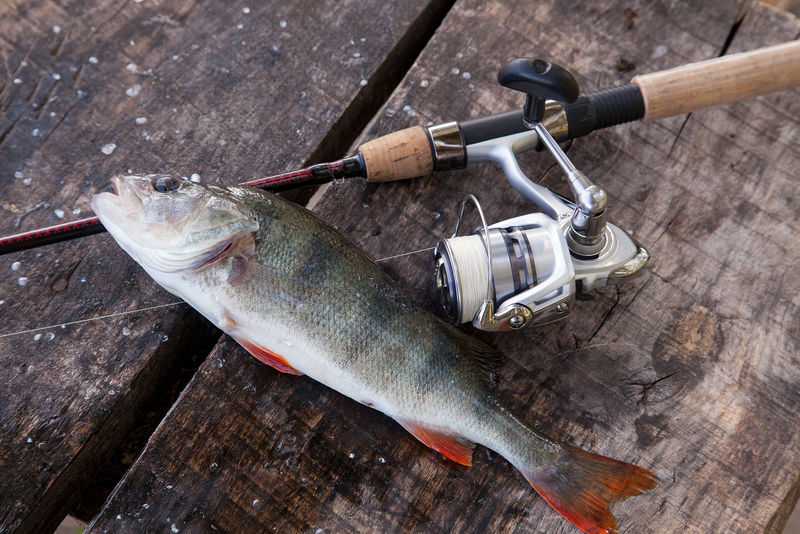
(323, 172)
(51, 234)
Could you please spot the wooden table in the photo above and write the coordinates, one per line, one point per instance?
(147, 420)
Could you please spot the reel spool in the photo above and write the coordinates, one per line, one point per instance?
(524, 273)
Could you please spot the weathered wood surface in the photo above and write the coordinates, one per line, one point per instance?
(688, 369)
(87, 89)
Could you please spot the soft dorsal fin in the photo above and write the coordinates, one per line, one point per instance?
(487, 359)
(458, 450)
(267, 356)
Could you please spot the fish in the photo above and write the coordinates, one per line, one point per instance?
(301, 298)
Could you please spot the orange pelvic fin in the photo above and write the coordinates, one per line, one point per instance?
(456, 449)
(580, 486)
(267, 356)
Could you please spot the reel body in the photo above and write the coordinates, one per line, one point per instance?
(527, 270)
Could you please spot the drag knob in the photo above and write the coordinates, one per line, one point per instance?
(539, 80)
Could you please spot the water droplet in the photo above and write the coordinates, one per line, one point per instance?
(382, 460)
(217, 363)
(17, 81)
(256, 504)
(18, 174)
(133, 90)
(437, 215)
(119, 517)
(49, 336)
(174, 529)
(108, 149)
(81, 94)
(28, 440)
(659, 51)
(112, 392)
(356, 54)
(250, 389)
(163, 337)
(284, 24)
(37, 337)
(93, 60)
(213, 468)
(409, 111)
(245, 10)
(168, 486)
(141, 120)
(424, 83)
(59, 213)
(126, 331)
(36, 132)
(27, 181)
(2, 302)
(389, 112)
(15, 266)
(56, 76)
(22, 280)
(351, 455)
(76, 211)
(466, 75)
(362, 83)
(455, 70)
(196, 178)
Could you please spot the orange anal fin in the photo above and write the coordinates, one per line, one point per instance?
(267, 356)
(456, 449)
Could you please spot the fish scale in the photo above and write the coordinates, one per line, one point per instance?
(299, 296)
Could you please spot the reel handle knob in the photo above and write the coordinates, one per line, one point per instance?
(539, 80)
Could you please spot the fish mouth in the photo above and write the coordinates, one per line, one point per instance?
(120, 211)
(130, 196)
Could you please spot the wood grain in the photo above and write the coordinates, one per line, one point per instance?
(230, 91)
(689, 369)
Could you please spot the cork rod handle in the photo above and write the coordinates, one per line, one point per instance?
(721, 80)
(398, 156)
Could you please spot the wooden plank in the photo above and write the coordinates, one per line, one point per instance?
(183, 87)
(686, 369)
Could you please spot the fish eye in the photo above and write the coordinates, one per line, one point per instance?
(166, 184)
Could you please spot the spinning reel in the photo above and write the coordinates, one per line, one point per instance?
(524, 270)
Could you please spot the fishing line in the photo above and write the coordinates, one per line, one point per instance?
(119, 314)
(405, 254)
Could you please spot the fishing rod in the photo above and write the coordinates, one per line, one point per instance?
(348, 167)
(419, 151)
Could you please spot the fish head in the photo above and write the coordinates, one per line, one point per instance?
(169, 224)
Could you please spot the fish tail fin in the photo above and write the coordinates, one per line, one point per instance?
(581, 485)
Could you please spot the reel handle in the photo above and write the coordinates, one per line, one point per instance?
(539, 80)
